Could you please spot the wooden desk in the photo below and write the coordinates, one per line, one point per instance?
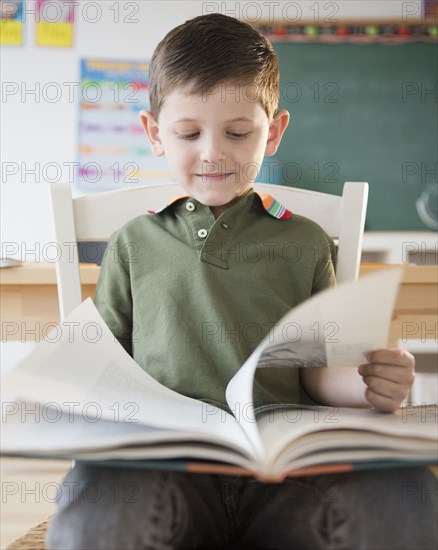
(415, 313)
(29, 300)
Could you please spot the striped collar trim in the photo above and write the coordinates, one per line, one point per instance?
(272, 206)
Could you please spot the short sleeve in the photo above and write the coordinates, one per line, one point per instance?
(324, 274)
(113, 298)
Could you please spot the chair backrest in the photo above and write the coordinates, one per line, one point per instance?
(95, 217)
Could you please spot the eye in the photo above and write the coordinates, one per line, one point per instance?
(189, 136)
(236, 135)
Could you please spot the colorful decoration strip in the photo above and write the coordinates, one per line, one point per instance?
(355, 33)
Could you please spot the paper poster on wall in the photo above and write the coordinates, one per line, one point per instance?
(54, 22)
(113, 151)
(11, 22)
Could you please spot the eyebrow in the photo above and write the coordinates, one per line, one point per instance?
(238, 119)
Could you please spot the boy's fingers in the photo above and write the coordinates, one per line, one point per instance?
(387, 388)
(389, 376)
(381, 402)
(391, 356)
(394, 373)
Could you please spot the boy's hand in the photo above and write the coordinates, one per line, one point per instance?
(389, 376)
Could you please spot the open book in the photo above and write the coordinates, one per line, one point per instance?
(79, 395)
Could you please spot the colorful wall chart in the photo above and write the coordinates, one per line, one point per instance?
(54, 22)
(113, 149)
(11, 22)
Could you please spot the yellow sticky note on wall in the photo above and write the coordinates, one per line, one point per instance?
(54, 34)
(11, 32)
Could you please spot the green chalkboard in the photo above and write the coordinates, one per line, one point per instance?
(361, 112)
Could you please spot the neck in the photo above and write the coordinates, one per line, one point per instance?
(218, 210)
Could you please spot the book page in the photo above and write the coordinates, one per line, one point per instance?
(334, 328)
(49, 432)
(81, 368)
(367, 434)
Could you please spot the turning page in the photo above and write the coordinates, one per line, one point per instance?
(334, 328)
(81, 368)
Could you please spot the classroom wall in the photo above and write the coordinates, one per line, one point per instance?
(37, 132)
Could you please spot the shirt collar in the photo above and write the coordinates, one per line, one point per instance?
(271, 205)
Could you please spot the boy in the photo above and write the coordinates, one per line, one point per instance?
(214, 93)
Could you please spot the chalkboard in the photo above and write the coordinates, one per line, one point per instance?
(361, 112)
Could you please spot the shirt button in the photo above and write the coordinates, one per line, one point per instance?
(202, 233)
(190, 206)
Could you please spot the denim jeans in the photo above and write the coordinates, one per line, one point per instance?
(103, 507)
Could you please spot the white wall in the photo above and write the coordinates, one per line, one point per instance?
(36, 132)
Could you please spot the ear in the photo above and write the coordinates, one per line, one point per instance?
(276, 131)
(150, 126)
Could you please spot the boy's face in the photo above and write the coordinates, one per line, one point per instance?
(214, 143)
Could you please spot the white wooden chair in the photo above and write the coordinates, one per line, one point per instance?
(95, 217)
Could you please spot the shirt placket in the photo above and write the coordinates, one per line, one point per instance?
(211, 237)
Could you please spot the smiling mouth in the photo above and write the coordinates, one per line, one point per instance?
(215, 176)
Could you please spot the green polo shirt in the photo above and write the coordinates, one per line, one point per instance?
(190, 296)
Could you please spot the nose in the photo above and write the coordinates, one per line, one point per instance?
(212, 150)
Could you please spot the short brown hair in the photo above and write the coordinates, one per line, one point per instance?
(210, 50)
